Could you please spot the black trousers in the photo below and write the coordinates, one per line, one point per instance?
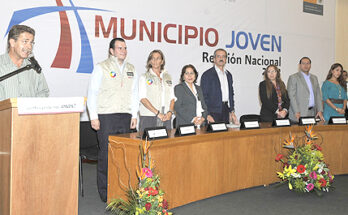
(224, 115)
(117, 123)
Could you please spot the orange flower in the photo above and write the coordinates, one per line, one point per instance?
(151, 164)
(309, 132)
(140, 174)
(309, 128)
(289, 142)
(309, 142)
(145, 147)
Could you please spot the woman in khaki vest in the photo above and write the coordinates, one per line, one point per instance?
(156, 94)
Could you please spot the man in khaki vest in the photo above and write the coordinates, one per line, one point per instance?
(112, 103)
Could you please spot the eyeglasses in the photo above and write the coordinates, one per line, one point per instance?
(25, 42)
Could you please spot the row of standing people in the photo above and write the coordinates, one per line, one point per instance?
(115, 91)
(303, 96)
(159, 100)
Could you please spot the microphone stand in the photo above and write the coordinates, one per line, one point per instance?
(27, 67)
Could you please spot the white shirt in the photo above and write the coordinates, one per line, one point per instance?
(142, 88)
(93, 90)
(224, 84)
(199, 108)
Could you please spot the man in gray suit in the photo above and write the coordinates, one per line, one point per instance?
(304, 93)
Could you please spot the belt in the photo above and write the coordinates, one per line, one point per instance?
(310, 108)
(337, 101)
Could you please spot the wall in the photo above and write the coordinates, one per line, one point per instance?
(341, 33)
(72, 36)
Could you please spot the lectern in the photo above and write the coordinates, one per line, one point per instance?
(39, 158)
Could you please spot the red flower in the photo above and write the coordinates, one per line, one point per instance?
(301, 168)
(148, 206)
(279, 157)
(165, 204)
(305, 178)
(322, 182)
(323, 172)
(152, 192)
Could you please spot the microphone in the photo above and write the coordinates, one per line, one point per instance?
(35, 65)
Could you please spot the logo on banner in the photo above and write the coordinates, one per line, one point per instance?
(64, 52)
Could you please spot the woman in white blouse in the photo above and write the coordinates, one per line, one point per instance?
(156, 94)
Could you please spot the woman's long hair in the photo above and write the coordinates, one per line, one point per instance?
(340, 79)
(269, 85)
(148, 62)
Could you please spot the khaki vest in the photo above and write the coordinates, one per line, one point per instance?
(154, 91)
(115, 92)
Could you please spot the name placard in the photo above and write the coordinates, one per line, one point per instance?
(281, 122)
(250, 124)
(50, 105)
(155, 133)
(185, 130)
(215, 127)
(336, 120)
(307, 121)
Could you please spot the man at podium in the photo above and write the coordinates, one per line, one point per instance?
(29, 83)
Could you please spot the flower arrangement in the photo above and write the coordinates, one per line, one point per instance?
(304, 168)
(148, 199)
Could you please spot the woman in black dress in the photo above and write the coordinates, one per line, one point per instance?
(274, 97)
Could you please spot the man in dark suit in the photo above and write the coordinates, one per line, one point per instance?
(218, 92)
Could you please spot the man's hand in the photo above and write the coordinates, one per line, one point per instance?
(210, 119)
(298, 115)
(95, 123)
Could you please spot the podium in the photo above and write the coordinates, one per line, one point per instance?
(39, 159)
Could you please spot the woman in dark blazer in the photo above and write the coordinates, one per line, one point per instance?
(189, 105)
(274, 97)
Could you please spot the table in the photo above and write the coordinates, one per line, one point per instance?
(209, 164)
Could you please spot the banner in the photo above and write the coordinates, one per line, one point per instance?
(72, 36)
